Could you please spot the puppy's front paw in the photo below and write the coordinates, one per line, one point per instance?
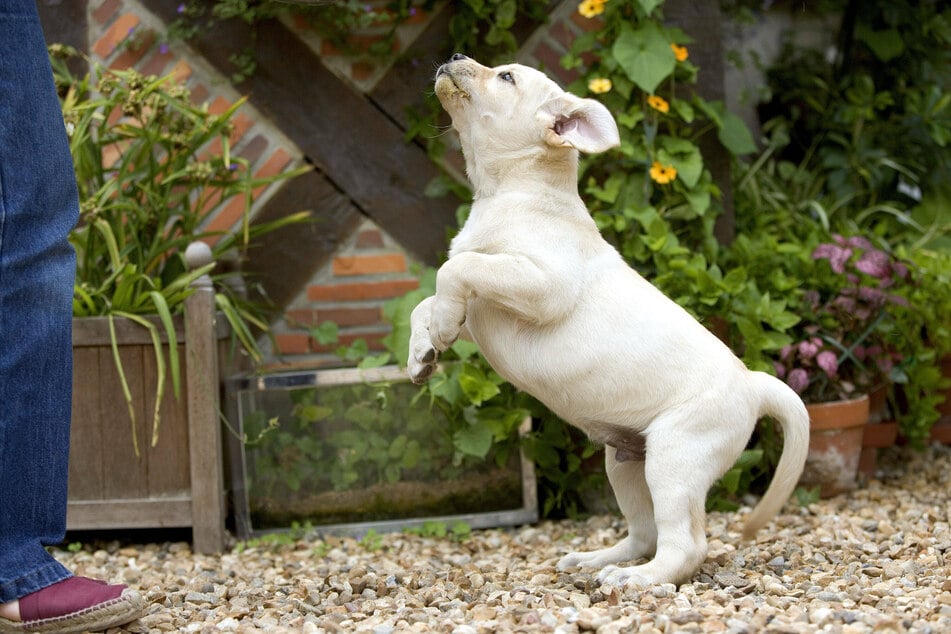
(422, 357)
(620, 577)
(572, 560)
(446, 322)
(421, 367)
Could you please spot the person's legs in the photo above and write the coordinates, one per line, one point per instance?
(38, 206)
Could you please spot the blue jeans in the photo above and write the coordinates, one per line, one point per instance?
(39, 205)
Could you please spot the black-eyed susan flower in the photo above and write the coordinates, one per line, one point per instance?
(591, 8)
(658, 103)
(662, 174)
(599, 85)
(680, 52)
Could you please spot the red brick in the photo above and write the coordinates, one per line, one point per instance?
(369, 264)
(106, 10)
(355, 291)
(364, 316)
(219, 105)
(361, 71)
(133, 53)
(199, 94)
(370, 239)
(278, 161)
(328, 48)
(292, 343)
(301, 318)
(552, 61)
(586, 24)
(181, 71)
(115, 34)
(563, 34)
(374, 341)
(254, 148)
(234, 209)
(156, 64)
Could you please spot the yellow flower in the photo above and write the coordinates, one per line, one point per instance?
(658, 103)
(663, 174)
(599, 85)
(680, 52)
(591, 8)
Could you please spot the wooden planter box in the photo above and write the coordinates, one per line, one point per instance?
(176, 483)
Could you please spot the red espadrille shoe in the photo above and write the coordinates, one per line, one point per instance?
(76, 604)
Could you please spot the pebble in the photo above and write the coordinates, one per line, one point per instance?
(875, 560)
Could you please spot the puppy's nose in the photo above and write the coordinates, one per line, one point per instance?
(457, 57)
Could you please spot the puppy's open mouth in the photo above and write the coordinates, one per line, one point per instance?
(446, 86)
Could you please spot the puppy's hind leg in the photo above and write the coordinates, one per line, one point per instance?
(630, 488)
(422, 354)
(679, 470)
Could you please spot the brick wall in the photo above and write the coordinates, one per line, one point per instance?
(369, 269)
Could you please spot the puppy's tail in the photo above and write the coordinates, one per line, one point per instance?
(780, 402)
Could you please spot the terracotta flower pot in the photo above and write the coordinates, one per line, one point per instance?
(836, 430)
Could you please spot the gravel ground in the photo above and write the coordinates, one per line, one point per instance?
(877, 560)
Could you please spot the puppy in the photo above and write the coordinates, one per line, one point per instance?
(558, 313)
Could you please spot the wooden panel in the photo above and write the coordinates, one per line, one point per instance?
(86, 461)
(125, 473)
(94, 331)
(128, 513)
(167, 461)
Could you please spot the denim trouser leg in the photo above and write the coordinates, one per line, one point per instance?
(38, 206)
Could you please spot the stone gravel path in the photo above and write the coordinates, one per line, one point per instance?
(877, 560)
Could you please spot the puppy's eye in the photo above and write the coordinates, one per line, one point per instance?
(507, 76)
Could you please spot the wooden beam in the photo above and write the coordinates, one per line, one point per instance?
(66, 23)
(282, 262)
(702, 21)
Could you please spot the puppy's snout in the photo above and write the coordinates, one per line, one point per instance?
(444, 69)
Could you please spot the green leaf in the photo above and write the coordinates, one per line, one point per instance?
(735, 136)
(645, 55)
(886, 45)
(649, 5)
(465, 349)
(731, 480)
(476, 386)
(684, 156)
(474, 440)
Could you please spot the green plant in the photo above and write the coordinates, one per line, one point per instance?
(457, 532)
(371, 541)
(151, 168)
(843, 346)
(923, 334)
(654, 198)
(874, 123)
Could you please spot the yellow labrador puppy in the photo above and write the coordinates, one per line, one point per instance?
(557, 312)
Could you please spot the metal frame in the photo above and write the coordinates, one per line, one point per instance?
(527, 514)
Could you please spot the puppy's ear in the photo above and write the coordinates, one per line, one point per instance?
(584, 124)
